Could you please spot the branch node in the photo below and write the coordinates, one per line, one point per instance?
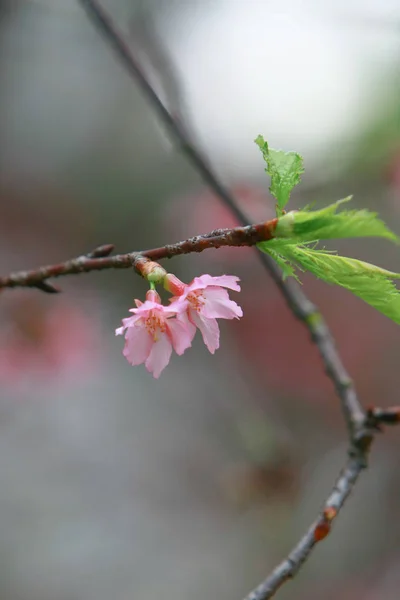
(47, 287)
(101, 251)
(376, 417)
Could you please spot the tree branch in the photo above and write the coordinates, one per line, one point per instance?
(98, 259)
(360, 444)
(317, 531)
(361, 426)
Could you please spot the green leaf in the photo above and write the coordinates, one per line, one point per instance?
(297, 230)
(277, 245)
(284, 169)
(327, 223)
(369, 282)
(284, 263)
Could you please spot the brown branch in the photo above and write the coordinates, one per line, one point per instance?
(317, 531)
(361, 426)
(360, 444)
(98, 259)
(377, 417)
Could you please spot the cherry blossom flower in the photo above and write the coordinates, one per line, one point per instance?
(152, 332)
(205, 300)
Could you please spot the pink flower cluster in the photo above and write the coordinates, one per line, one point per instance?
(155, 330)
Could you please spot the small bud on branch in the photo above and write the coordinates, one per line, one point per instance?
(47, 287)
(383, 416)
(101, 251)
(322, 529)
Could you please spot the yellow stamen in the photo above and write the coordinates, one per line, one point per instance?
(196, 300)
(155, 324)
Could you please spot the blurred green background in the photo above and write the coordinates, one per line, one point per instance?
(113, 484)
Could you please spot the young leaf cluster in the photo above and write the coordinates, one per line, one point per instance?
(298, 233)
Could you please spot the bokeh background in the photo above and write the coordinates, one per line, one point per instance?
(112, 484)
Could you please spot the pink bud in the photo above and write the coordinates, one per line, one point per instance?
(174, 285)
(153, 296)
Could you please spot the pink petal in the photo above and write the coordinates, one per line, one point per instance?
(166, 311)
(143, 308)
(181, 335)
(228, 281)
(190, 327)
(178, 305)
(159, 356)
(218, 305)
(209, 330)
(129, 321)
(138, 344)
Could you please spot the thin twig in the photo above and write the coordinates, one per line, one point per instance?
(99, 259)
(316, 532)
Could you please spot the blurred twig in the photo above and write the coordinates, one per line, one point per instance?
(288, 568)
(361, 429)
(151, 47)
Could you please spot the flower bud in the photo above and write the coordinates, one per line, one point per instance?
(153, 296)
(173, 284)
(152, 271)
(330, 513)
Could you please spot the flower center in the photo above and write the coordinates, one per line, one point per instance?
(196, 300)
(155, 324)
